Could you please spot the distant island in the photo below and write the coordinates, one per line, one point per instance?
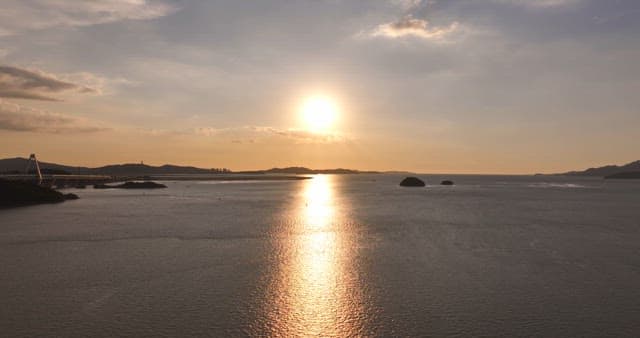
(628, 171)
(307, 171)
(131, 185)
(17, 166)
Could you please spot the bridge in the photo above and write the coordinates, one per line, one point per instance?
(56, 180)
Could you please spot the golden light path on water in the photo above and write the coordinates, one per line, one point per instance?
(315, 292)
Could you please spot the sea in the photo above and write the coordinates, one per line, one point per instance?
(331, 256)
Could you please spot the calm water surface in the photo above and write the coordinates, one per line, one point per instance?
(330, 256)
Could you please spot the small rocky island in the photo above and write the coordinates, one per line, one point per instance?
(132, 185)
(20, 193)
(446, 182)
(412, 182)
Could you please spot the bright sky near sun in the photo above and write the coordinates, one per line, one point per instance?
(458, 86)
(319, 114)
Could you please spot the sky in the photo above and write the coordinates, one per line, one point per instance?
(432, 86)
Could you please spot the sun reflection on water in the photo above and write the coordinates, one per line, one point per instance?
(314, 293)
(317, 266)
(319, 208)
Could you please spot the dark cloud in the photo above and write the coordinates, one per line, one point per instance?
(14, 117)
(23, 16)
(408, 23)
(22, 83)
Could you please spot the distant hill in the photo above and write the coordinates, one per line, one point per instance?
(143, 169)
(18, 165)
(307, 171)
(607, 170)
(626, 175)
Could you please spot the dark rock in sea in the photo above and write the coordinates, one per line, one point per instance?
(131, 185)
(446, 182)
(412, 182)
(141, 185)
(19, 193)
(70, 196)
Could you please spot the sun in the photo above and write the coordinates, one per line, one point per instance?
(319, 114)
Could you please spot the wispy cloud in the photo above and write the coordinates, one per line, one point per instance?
(249, 134)
(409, 4)
(307, 136)
(19, 15)
(410, 26)
(29, 84)
(539, 3)
(252, 134)
(15, 117)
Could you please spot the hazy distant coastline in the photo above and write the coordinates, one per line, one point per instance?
(17, 166)
(627, 171)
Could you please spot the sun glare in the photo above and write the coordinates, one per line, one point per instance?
(319, 114)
